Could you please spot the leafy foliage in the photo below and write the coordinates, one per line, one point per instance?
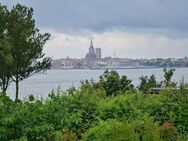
(147, 83)
(168, 76)
(21, 46)
(27, 44)
(6, 59)
(112, 130)
(87, 114)
(114, 84)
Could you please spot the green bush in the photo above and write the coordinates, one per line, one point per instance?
(111, 130)
(88, 114)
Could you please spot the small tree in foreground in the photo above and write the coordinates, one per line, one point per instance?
(146, 83)
(113, 83)
(27, 44)
(168, 77)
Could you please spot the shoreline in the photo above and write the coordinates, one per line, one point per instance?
(117, 68)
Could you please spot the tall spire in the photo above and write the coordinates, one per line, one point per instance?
(91, 48)
(91, 41)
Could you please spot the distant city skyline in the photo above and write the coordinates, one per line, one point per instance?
(131, 28)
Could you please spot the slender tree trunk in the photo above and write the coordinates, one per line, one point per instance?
(17, 88)
(4, 84)
(4, 89)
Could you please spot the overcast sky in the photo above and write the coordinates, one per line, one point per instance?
(130, 28)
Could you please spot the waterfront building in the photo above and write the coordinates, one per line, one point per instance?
(91, 56)
(98, 53)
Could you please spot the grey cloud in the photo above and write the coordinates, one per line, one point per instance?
(100, 15)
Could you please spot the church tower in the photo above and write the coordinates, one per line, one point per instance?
(91, 56)
(91, 48)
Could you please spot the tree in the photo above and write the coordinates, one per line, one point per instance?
(27, 45)
(168, 76)
(5, 56)
(6, 61)
(111, 82)
(3, 16)
(147, 83)
(126, 84)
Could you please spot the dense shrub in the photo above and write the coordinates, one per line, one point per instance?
(114, 130)
(111, 130)
(89, 113)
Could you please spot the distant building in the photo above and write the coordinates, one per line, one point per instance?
(91, 56)
(69, 63)
(98, 53)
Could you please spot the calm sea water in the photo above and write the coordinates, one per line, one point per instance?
(40, 85)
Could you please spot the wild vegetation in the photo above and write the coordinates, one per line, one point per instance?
(110, 109)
